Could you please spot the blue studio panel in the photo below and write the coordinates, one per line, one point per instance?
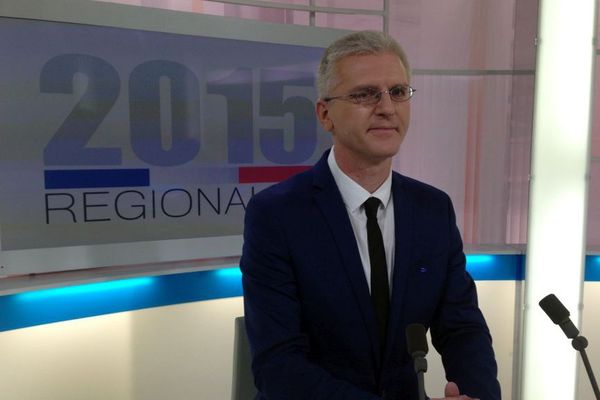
(65, 303)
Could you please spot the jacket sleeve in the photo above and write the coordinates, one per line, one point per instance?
(273, 313)
(459, 331)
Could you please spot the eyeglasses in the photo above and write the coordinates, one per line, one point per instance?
(371, 96)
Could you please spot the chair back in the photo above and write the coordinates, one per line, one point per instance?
(243, 380)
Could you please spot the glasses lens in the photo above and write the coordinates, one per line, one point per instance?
(371, 96)
(367, 96)
(401, 93)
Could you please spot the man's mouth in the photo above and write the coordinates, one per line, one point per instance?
(383, 129)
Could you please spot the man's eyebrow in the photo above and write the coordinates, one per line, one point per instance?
(374, 87)
(363, 87)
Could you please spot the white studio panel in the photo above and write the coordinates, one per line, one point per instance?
(556, 242)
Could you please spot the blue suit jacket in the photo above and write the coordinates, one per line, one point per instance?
(309, 315)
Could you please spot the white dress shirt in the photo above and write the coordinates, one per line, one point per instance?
(354, 196)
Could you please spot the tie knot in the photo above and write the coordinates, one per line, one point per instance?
(371, 206)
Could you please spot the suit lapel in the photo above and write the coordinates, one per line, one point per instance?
(329, 200)
(404, 229)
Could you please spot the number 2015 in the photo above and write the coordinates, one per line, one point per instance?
(68, 145)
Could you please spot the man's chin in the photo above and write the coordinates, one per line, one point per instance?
(386, 152)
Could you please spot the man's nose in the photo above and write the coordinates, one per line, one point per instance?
(385, 105)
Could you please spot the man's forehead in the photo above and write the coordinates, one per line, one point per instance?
(368, 69)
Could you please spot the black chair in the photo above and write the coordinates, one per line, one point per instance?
(243, 381)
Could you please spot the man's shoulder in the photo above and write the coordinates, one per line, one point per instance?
(292, 190)
(417, 189)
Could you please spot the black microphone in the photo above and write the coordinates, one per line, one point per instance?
(416, 343)
(560, 316)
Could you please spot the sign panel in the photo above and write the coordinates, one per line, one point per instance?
(112, 135)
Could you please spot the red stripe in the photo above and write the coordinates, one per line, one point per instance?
(269, 174)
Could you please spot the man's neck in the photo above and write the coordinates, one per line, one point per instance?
(369, 175)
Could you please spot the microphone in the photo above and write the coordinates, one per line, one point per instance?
(560, 316)
(416, 344)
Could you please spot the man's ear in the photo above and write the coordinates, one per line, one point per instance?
(323, 115)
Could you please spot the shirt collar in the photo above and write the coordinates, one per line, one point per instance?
(352, 193)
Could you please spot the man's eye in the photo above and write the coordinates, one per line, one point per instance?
(362, 95)
(399, 91)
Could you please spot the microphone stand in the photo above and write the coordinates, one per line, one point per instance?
(420, 369)
(579, 343)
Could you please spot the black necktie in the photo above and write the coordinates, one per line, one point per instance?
(379, 279)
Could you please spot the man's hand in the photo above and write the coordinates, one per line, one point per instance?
(451, 392)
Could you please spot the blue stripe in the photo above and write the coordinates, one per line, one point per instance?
(487, 267)
(66, 303)
(96, 178)
(592, 268)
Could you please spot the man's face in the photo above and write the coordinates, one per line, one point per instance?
(366, 134)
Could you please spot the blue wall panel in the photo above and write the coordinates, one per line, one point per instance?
(65, 303)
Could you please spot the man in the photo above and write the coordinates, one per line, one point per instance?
(331, 280)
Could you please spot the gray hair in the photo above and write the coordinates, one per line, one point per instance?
(354, 44)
